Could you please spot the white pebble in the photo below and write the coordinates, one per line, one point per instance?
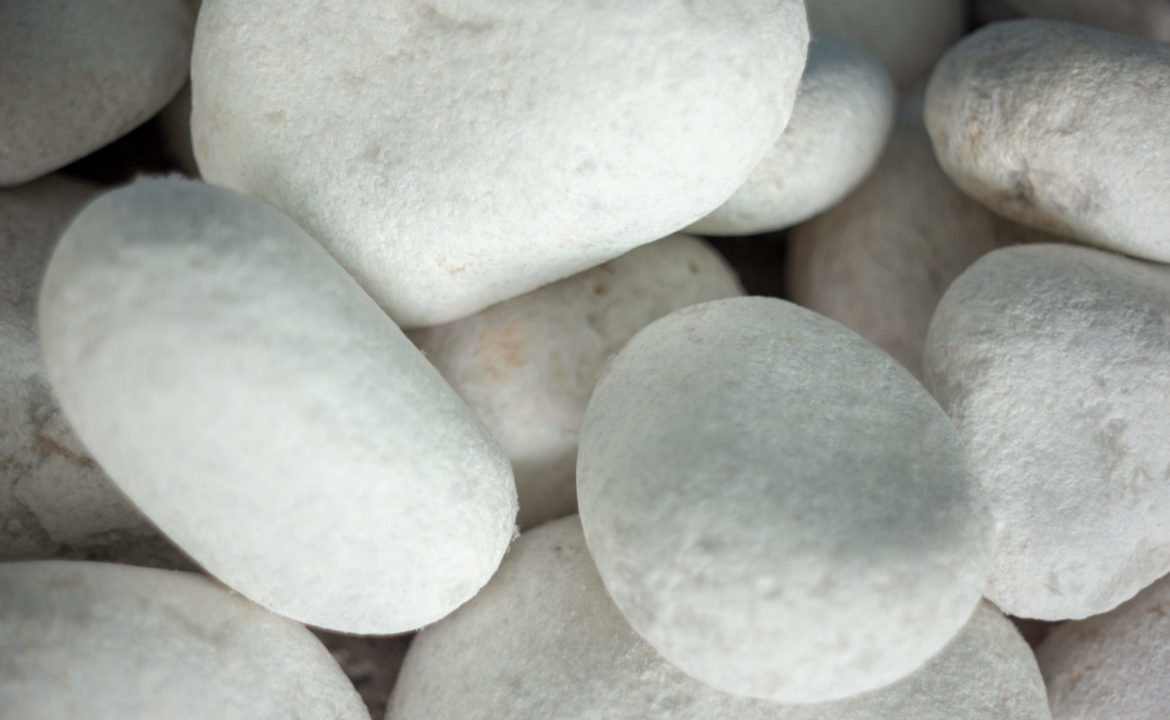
(111, 642)
(1114, 666)
(909, 36)
(880, 260)
(528, 366)
(77, 74)
(265, 413)
(54, 500)
(839, 126)
(1145, 18)
(559, 648)
(455, 153)
(757, 483)
(1053, 361)
(1060, 126)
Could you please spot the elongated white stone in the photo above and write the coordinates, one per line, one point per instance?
(265, 413)
(1053, 361)
(455, 153)
(757, 483)
(111, 642)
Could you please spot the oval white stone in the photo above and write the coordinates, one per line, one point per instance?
(265, 413)
(560, 648)
(757, 483)
(528, 365)
(1053, 361)
(54, 499)
(839, 126)
(454, 153)
(909, 36)
(1115, 665)
(111, 642)
(77, 74)
(880, 260)
(1060, 126)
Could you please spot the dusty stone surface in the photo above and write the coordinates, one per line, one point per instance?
(72, 78)
(1115, 665)
(909, 36)
(240, 387)
(1060, 126)
(111, 642)
(1144, 18)
(1053, 361)
(528, 365)
(880, 260)
(544, 139)
(54, 499)
(839, 126)
(843, 494)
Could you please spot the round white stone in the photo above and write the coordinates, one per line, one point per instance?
(266, 414)
(909, 36)
(757, 483)
(558, 647)
(1053, 361)
(54, 500)
(455, 153)
(839, 126)
(111, 642)
(528, 365)
(1060, 126)
(1145, 18)
(880, 260)
(1115, 665)
(77, 74)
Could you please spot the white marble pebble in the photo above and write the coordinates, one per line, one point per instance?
(1114, 666)
(266, 414)
(1060, 126)
(1145, 18)
(880, 260)
(1053, 361)
(78, 74)
(909, 36)
(54, 500)
(528, 365)
(840, 123)
(112, 642)
(455, 153)
(757, 483)
(558, 647)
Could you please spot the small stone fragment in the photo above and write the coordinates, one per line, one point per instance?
(528, 365)
(909, 36)
(1053, 361)
(880, 260)
(1060, 126)
(77, 74)
(1114, 666)
(452, 154)
(112, 642)
(757, 483)
(839, 126)
(245, 393)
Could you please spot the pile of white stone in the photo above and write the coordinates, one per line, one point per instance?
(428, 291)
